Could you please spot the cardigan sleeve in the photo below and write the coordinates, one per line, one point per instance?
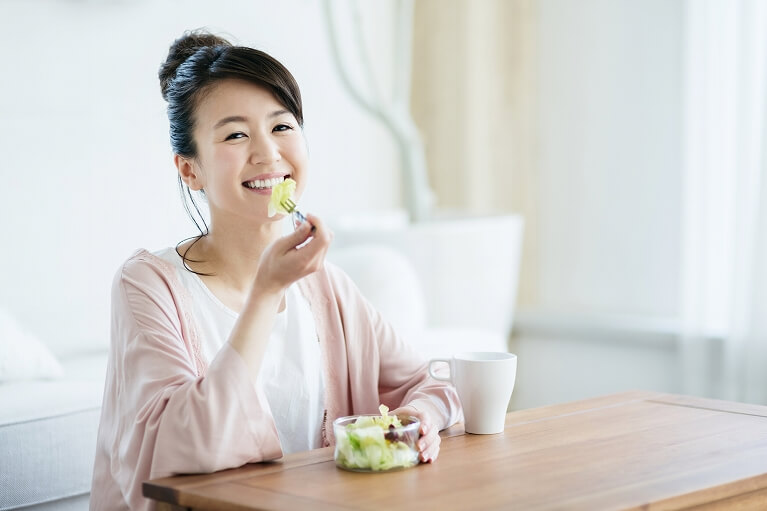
(403, 377)
(161, 416)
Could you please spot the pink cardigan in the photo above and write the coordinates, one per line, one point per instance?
(165, 411)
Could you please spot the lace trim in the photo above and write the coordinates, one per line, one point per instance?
(184, 306)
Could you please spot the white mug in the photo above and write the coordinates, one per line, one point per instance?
(484, 382)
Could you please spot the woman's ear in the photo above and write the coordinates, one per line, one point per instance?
(189, 172)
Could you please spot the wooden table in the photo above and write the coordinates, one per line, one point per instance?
(637, 450)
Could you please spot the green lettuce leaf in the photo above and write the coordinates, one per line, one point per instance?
(280, 192)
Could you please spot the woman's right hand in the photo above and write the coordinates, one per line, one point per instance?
(284, 262)
(281, 264)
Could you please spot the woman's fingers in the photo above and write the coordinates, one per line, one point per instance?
(294, 239)
(314, 250)
(312, 231)
(295, 255)
(428, 445)
(319, 231)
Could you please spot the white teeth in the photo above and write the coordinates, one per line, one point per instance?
(264, 183)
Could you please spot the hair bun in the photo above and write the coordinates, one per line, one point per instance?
(183, 48)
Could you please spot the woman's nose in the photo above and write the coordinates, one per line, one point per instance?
(264, 150)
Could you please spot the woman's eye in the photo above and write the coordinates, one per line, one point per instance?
(235, 136)
(283, 127)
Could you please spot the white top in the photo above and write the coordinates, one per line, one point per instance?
(291, 373)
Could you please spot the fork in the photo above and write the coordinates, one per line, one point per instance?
(290, 206)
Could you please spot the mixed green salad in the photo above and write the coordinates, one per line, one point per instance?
(377, 443)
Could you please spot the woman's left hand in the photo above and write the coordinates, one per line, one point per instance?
(428, 443)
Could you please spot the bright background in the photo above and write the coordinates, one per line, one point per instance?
(86, 163)
(580, 116)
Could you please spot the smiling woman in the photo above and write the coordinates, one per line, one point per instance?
(242, 344)
(237, 80)
(240, 157)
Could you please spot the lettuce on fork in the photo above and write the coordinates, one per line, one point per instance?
(280, 193)
(376, 443)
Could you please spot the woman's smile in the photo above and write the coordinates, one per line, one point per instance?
(263, 184)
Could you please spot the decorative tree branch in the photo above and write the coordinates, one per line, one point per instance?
(394, 114)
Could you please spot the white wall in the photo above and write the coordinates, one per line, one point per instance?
(557, 369)
(608, 272)
(87, 174)
(86, 168)
(610, 161)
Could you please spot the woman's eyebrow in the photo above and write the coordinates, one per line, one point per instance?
(240, 118)
(278, 113)
(231, 118)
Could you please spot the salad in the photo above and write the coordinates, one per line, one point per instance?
(373, 443)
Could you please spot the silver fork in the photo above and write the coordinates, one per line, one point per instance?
(290, 206)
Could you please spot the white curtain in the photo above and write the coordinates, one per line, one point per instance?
(724, 225)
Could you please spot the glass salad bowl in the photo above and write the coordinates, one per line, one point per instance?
(373, 443)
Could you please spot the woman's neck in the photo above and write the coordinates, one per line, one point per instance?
(230, 253)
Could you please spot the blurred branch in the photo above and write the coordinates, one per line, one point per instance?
(395, 114)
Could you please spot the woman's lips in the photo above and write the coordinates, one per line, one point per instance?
(263, 184)
(259, 191)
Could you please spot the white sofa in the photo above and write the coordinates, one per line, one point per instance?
(394, 285)
(48, 436)
(48, 427)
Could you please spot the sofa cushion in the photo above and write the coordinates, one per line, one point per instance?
(48, 433)
(22, 355)
(388, 281)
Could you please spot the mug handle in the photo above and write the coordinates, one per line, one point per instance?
(435, 376)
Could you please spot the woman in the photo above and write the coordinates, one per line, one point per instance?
(242, 345)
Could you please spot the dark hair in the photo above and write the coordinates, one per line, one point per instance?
(197, 61)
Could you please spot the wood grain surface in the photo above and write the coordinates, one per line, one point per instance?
(635, 450)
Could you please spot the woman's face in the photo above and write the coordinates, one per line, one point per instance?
(246, 142)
